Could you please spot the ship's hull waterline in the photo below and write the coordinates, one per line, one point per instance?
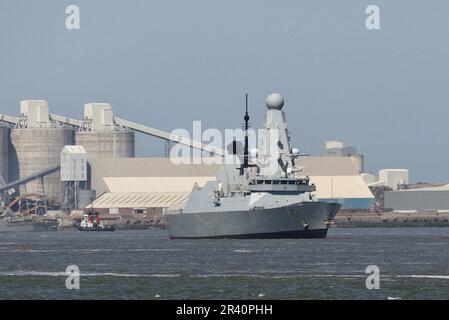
(302, 221)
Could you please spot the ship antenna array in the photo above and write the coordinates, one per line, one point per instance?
(246, 126)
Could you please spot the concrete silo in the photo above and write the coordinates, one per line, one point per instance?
(4, 154)
(36, 146)
(101, 137)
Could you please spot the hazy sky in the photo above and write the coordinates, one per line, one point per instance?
(166, 63)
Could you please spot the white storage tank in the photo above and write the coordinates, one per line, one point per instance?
(392, 178)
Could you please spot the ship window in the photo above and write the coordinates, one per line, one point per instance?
(284, 182)
(275, 181)
(259, 181)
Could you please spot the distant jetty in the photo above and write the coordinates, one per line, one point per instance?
(352, 218)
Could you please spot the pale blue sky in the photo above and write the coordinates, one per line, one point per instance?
(166, 63)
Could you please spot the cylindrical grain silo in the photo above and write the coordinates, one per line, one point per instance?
(103, 138)
(4, 153)
(107, 144)
(36, 149)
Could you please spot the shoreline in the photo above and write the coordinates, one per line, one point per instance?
(357, 219)
(344, 219)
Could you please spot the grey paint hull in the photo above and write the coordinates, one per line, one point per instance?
(305, 220)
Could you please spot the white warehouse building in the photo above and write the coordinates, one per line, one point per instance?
(393, 178)
(336, 178)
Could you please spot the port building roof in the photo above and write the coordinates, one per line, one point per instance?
(163, 167)
(149, 167)
(334, 177)
(327, 166)
(148, 175)
(331, 187)
(437, 188)
(141, 200)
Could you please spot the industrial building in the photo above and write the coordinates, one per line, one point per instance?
(4, 154)
(338, 149)
(147, 175)
(421, 199)
(151, 203)
(30, 149)
(39, 149)
(148, 186)
(101, 137)
(38, 145)
(393, 179)
(35, 145)
(336, 178)
(74, 175)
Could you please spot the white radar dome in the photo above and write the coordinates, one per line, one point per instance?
(254, 152)
(275, 101)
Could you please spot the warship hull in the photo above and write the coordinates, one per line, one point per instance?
(300, 221)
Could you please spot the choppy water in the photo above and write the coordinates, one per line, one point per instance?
(414, 263)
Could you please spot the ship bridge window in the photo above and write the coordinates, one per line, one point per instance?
(268, 181)
(283, 182)
(291, 182)
(275, 181)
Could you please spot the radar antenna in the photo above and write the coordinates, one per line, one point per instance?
(245, 149)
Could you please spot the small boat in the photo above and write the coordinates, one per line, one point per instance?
(93, 228)
(92, 222)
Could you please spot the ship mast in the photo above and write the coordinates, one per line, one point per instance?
(245, 151)
(245, 164)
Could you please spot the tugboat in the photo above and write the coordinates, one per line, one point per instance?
(92, 222)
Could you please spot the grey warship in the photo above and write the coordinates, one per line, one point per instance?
(265, 197)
